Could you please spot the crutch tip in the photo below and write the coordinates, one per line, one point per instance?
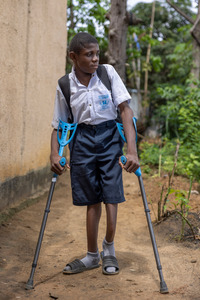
(163, 288)
(29, 285)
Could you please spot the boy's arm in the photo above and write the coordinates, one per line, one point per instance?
(132, 163)
(54, 156)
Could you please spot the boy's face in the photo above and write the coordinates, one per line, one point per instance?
(87, 60)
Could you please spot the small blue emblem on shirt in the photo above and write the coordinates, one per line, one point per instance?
(104, 101)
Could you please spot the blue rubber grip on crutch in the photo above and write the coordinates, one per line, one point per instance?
(123, 158)
(137, 172)
(62, 161)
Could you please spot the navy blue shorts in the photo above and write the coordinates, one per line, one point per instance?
(95, 172)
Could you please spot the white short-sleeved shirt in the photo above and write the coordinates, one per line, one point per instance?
(92, 104)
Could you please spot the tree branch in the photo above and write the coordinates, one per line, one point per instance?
(186, 220)
(195, 30)
(180, 12)
(198, 7)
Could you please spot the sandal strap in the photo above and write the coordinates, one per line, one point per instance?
(110, 261)
(77, 263)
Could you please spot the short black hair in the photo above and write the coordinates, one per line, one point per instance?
(80, 41)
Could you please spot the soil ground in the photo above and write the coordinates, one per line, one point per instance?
(64, 240)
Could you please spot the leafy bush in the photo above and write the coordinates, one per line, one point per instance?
(180, 116)
(150, 154)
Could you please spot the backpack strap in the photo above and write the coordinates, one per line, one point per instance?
(65, 88)
(103, 76)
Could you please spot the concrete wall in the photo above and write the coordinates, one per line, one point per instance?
(32, 58)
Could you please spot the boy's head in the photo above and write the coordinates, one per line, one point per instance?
(84, 52)
(80, 41)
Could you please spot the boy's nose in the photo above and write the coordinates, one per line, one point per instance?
(95, 58)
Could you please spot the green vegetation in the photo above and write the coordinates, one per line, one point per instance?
(181, 207)
(174, 96)
(180, 116)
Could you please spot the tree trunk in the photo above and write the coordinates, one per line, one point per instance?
(196, 60)
(148, 53)
(137, 71)
(117, 36)
(195, 31)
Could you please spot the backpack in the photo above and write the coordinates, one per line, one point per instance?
(65, 88)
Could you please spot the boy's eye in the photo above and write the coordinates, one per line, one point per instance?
(91, 54)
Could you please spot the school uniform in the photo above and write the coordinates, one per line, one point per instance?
(96, 147)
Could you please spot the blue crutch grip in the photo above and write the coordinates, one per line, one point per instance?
(124, 160)
(62, 161)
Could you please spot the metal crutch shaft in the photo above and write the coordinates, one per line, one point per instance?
(29, 284)
(163, 285)
(63, 140)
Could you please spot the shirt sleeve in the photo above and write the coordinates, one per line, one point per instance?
(119, 91)
(61, 110)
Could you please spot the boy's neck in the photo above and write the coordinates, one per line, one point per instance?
(84, 78)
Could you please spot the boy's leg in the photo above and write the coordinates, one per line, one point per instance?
(111, 214)
(93, 218)
(108, 243)
(92, 223)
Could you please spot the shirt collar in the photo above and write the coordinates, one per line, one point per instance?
(76, 79)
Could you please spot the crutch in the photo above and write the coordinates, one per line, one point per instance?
(163, 285)
(64, 128)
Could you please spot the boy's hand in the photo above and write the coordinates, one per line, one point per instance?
(132, 163)
(56, 166)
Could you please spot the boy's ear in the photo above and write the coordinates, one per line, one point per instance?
(72, 55)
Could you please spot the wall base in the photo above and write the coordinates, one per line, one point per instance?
(20, 187)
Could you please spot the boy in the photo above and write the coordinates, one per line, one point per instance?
(96, 175)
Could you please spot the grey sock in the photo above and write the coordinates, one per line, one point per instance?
(109, 249)
(92, 258)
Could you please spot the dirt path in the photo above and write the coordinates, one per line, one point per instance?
(64, 240)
